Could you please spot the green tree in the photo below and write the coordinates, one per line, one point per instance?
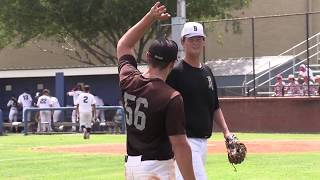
(85, 28)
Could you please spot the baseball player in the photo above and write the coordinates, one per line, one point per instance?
(44, 101)
(86, 109)
(56, 113)
(293, 87)
(25, 101)
(154, 111)
(197, 85)
(75, 92)
(279, 87)
(100, 113)
(13, 105)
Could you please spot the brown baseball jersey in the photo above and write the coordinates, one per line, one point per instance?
(154, 111)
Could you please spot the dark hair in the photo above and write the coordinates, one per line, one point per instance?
(162, 52)
(86, 88)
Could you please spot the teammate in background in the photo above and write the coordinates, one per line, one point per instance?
(303, 71)
(25, 101)
(86, 110)
(44, 101)
(312, 89)
(155, 115)
(317, 84)
(197, 85)
(99, 112)
(279, 87)
(117, 119)
(56, 113)
(293, 87)
(75, 92)
(13, 105)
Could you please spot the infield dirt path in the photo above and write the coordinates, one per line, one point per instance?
(261, 146)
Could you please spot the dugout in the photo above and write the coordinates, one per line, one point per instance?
(104, 82)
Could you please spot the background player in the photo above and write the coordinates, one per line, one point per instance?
(25, 101)
(44, 101)
(86, 110)
(197, 86)
(75, 92)
(155, 116)
(13, 105)
(56, 113)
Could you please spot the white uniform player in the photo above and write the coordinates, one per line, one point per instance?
(44, 101)
(25, 100)
(99, 113)
(75, 94)
(13, 105)
(56, 113)
(86, 108)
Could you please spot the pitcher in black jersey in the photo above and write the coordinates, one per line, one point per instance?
(197, 85)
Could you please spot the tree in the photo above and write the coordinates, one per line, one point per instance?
(85, 28)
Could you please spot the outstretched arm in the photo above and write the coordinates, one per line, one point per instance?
(134, 34)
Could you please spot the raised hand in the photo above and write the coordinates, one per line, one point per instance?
(159, 12)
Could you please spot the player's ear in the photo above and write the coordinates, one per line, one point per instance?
(148, 55)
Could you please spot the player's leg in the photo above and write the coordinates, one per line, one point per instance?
(48, 121)
(15, 116)
(85, 121)
(42, 121)
(56, 116)
(74, 119)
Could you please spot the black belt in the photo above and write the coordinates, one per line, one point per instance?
(146, 158)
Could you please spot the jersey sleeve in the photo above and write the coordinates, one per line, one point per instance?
(94, 102)
(175, 117)
(77, 100)
(9, 103)
(71, 93)
(172, 79)
(19, 99)
(216, 99)
(38, 102)
(217, 104)
(127, 69)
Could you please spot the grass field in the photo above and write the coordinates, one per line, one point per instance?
(19, 160)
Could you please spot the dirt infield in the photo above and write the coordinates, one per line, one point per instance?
(261, 146)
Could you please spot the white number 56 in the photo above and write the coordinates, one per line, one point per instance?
(133, 117)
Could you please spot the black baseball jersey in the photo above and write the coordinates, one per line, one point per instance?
(199, 91)
(154, 111)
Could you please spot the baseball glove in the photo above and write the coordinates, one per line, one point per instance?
(236, 150)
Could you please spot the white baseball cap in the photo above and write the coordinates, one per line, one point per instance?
(191, 29)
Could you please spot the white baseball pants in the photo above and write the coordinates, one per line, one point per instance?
(13, 115)
(149, 170)
(199, 148)
(85, 119)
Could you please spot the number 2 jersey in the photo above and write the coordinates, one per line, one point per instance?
(154, 111)
(85, 102)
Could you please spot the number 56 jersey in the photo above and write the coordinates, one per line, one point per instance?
(154, 111)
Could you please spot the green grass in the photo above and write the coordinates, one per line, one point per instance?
(19, 161)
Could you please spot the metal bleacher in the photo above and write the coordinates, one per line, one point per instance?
(299, 53)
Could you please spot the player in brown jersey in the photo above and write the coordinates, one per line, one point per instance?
(154, 111)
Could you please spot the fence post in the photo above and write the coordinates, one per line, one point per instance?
(123, 121)
(308, 58)
(1, 123)
(253, 57)
(25, 120)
